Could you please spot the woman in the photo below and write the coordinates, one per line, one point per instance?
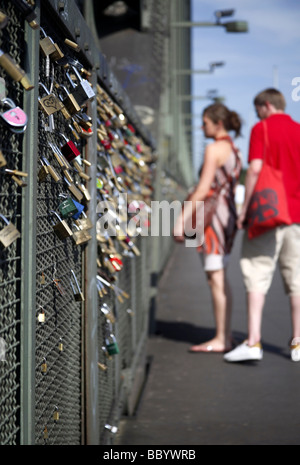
(221, 167)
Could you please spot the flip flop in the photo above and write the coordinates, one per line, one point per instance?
(207, 349)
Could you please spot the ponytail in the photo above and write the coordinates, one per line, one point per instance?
(219, 112)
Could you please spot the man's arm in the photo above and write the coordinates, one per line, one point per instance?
(250, 181)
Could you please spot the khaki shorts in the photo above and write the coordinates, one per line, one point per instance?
(260, 256)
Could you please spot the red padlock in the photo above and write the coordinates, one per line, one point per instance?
(69, 150)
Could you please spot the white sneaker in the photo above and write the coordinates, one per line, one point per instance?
(295, 349)
(244, 352)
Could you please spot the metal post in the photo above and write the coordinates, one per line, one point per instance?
(28, 282)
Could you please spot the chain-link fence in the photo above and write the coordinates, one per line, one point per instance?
(75, 277)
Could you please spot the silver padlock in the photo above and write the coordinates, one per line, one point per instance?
(83, 90)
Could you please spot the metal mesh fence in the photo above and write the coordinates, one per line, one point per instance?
(109, 135)
(12, 42)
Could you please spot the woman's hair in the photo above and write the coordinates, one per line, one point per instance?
(230, 119)
(272, 96)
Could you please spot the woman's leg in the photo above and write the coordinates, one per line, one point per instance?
(222, 307)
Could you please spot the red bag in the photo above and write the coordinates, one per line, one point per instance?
(268, 207)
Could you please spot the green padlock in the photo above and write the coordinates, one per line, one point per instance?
(111, 345)
(67, 208)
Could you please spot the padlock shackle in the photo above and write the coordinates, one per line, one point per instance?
(76, 282)
(44, 87)
(71, 81)
(43, 31)
(4, 219)
(8, 101)
(55, 213)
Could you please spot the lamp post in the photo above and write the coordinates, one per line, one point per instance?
(231, 26)
(212, 66)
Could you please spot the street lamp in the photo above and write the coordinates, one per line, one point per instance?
(231, 26)
(212, 66)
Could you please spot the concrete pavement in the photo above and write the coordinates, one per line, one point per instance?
(198, 399)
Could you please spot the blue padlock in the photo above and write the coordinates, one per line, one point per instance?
(80, 209)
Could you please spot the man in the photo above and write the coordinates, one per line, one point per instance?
(282, 244)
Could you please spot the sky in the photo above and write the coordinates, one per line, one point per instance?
(268, 55)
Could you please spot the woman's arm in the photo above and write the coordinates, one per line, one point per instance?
(210, 164)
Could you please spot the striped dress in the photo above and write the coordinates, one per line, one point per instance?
(219, 235)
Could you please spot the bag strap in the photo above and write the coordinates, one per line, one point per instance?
(266, 138)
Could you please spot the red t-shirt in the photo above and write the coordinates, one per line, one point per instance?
(283, 153)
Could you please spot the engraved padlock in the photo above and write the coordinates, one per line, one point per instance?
(61, 229)
(69, 149)
(15, 118)
(50, 103)
(9, 233)
(83, 92)
(78, 295)
(49, 48)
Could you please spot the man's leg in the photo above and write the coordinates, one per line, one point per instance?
(255, 305)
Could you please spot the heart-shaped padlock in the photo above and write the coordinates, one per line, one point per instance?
(15, 118)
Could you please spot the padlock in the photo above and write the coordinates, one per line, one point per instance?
(60, 345)
(63, 163)
(53, 173)
(111, 343)
(84, 120)
(44, 367)
(41, 316)
(73, 189)
(4, 19)
(9, 233)
(81, 236)
(78, 295)
(70, 103)
(43, 172)
(61, 228)
(50, 103)
(14, 118)
(69, 149)
(49, 48)
(3, 161)
(83, 91)
(105, 309)
(85, 191)
(84, 223)
(67, 208)
(81, 173)
(56, 414)
(14, 70)
(81, 131)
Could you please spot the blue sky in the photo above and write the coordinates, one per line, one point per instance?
(268, 55)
